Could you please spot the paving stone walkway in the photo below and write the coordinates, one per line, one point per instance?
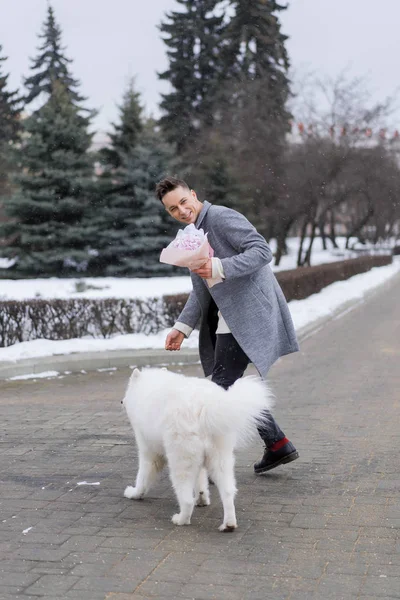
(326, 526)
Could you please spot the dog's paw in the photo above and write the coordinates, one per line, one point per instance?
(203, 499)
(228, 527)
(178, 520)
(132, 493)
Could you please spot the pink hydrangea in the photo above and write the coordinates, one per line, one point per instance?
(187, 241)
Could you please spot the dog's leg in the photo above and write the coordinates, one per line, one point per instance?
(202, 493)
(149, 467)
(184, 491)
(221, 465)
(184, 472)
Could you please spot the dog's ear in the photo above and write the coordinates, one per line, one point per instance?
(136, 373)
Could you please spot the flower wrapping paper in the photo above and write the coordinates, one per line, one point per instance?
(190, 249)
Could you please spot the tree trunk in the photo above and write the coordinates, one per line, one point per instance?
(307, 258)
(322, 234)
(303, 235)
(332, 231)
(358, 227)
(279, 251)
(281, 247)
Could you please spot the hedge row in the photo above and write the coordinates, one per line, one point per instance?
(300, 283)
(66, 319)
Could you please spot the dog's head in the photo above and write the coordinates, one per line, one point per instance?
(134, 376)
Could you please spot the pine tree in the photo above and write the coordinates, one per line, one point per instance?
(10, 108)
(120, 213)
(131, 224)
(10, 111)
(45, 231)
(194, 40)
(211, 169)
(253, 119)
(127, 132)
(255, 49)
(51, 65)
(153, 229)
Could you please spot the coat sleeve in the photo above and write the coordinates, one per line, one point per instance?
(253, 252)
(191, 312)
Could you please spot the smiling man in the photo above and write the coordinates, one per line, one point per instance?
(244, 318)
(182, 204)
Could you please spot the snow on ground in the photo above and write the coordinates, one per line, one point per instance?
(304, 313)
(114, 287)
(332, 297)
(318, 256)
(99, 287)
(42, 375)
(133, 341)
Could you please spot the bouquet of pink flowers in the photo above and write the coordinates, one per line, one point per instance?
(189, 249)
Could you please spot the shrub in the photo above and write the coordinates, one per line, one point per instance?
(78, 317)
(300, 283)
(174, 304)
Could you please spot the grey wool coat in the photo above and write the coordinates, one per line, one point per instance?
(250, 298)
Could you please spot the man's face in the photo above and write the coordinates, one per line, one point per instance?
(183, 205)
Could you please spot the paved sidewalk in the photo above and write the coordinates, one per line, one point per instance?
(326, 526)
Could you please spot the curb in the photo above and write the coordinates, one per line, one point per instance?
(91, 361)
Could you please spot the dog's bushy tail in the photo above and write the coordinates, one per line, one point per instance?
(239, 410)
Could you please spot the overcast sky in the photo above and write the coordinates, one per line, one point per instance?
(113, 40)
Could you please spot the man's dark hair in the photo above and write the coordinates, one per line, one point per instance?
(168, 184)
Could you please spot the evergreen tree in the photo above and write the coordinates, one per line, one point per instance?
(51, 65)
(211, 170)
(46, 232)
(194, 40)
(127, 132)
(252, 118)
(255, 51)
(46, 229)
(255, 45)
(132, 226)
(10, 110)
(154, 229)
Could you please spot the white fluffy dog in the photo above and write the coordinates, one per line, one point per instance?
(194, 426)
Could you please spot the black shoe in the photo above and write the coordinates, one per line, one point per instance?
(272, 459)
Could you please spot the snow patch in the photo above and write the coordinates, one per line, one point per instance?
(25, 531)
(87, 483)
(43, 375)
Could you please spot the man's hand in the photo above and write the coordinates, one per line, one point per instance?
(174, 340)
(205, 271)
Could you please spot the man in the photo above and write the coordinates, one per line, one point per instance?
(245, 317)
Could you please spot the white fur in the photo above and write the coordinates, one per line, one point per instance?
(193, 425)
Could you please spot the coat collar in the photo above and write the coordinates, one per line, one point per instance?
(202, 214)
